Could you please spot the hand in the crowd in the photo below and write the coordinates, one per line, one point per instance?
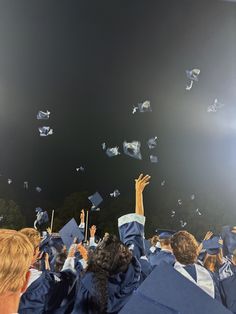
(221, 241)
(82, 215)
(64, 249)
(208, 235)
(71, 252)
(75, 240)
(40, 255)
(49, 231)
(92, 231)
(106, 235)
(83, 252)
(142, 182)
(47, 265)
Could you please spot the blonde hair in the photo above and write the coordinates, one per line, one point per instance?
(33, 236)
(16, 253)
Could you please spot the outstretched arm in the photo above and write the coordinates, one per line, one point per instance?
(140, 185)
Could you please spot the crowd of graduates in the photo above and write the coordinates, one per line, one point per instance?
(170, 273)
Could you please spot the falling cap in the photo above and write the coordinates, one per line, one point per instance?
(96, 200)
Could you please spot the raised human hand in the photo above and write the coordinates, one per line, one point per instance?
(92, 231)
(82, 215)
(82, 250)
(142, 182)
(208, 235)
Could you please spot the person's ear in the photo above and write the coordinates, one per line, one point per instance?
(25, 285)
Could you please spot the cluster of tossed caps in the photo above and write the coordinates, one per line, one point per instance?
(25, 184)
(131, 149)
(193, 76)
(44, 130)
(215, 106)
(180, 203)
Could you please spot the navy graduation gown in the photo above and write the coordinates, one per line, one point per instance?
(131, 230)
(120, 288)
(167, 291)
(157, 258)
(48, 293)
(227, 275)
(228, 287)
(229, 239)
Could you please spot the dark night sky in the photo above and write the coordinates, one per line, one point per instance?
(89, 62)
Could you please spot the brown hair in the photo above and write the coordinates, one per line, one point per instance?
(210, 262)
(184, 246)
(165, 241)
(154, 240)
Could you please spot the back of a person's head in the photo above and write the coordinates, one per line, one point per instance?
(154, 240)
(184, 246)
(59, 262)
(111, 255)
(16, 253)
(33, 236)
(165, 242)
(109, 258)
(210, 262)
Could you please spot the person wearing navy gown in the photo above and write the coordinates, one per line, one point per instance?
(114, 269)
(165, 254)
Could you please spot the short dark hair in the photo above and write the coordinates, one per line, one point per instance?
(165, 241)
(184, 246)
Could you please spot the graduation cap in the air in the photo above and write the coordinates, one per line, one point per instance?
(212, 246)
(96, 200)
(69, 232)
(164, 233)
(132, 149)
(45, 131)
(145, 106)
(112, 151)
(166, 291)
(153, 158)
(43, 115)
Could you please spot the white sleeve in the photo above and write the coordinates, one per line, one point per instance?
(69, 264)
(92, 241)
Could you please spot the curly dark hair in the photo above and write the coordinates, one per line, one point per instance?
(59, 262)
(184, 246)
(109, 258)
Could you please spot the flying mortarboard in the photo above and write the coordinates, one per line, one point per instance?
(43, 115)
(45, 131)
(132, 149)
(96, 200)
